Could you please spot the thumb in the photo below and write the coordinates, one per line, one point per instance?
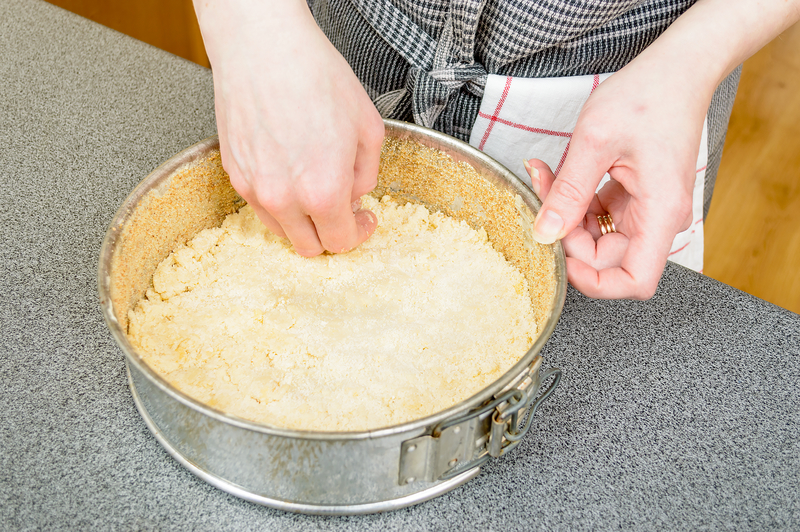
(572, 192)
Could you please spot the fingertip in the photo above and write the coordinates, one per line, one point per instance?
(268, 220)
(564, 206)
(547, 226)
(541, 177)
(367, 222)
(533, 172)
(583, 277)
(527, 165)
(308, 253)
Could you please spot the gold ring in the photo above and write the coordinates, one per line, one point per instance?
(606, 224)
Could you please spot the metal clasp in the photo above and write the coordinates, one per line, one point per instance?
(470, 440)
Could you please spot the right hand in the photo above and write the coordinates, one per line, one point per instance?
(298, 134)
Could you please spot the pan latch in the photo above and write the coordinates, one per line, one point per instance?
(468, 441)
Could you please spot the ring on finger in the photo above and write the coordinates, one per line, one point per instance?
(606, 224)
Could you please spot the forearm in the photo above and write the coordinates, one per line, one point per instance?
(224, 23)
(714, 36)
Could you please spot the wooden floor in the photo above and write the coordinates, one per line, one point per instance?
(753, 226)
(167, 24)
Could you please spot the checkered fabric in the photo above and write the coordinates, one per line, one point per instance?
(441, 50)
(427, 61)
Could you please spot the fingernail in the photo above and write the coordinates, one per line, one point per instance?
(534, 173)
(535, 182)
(356, 205)
(547, 226)
(366, 219)
(527, 165)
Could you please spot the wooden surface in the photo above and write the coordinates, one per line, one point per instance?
(753, 226)
(167, 24)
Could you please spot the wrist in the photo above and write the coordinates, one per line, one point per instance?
(245, 26)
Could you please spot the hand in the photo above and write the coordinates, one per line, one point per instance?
(298, 134)
(643, 127)
(644, 130)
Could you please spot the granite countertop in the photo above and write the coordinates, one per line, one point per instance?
(682, 412)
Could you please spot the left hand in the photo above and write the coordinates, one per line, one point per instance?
(643, 127)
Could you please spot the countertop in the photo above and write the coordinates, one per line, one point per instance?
(682, 412)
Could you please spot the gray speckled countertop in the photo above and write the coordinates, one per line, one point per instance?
(682, 412)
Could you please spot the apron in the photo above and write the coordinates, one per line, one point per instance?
(444, 64)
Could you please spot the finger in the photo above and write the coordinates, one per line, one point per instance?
(571, 193)
(611, 283)
(241, 185)
(303, 234)
(637, 276)
(278, 204)
(246, 192)
(339, 221)
(602, 253)
(612, 197)
(598, 208)
(267, 219)
(342, 230)
(541, 177)
(368, 156)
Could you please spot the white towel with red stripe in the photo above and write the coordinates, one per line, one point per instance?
(523, 118)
